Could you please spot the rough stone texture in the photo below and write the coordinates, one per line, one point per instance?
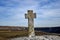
(45, 37)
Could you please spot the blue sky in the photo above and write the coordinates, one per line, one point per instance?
(12, 12)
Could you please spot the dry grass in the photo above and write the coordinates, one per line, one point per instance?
(9, 34)
(4, 35)
(2, 38)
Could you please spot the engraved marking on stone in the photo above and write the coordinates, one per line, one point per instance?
(30, 15)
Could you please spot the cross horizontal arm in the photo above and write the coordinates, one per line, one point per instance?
(32, 16)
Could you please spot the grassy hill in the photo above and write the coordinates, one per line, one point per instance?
(12, 32)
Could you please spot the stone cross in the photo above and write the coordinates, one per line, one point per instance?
(30, 17)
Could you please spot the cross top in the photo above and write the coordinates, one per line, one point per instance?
(30, 14)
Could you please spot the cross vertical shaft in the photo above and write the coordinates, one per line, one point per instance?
(31, 17)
